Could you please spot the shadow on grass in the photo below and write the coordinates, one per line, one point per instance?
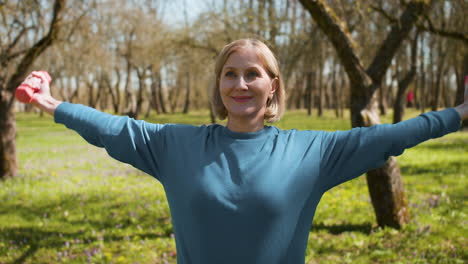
(446, 145)
(31, 238)
(37, 238)
(434, 168)
(337, 229)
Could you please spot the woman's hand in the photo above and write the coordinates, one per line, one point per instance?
(463, 108)
(38, 93)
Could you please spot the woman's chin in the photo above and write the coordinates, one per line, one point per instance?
(244, 114)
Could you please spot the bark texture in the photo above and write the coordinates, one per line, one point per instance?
(8, 161)
(385, 184)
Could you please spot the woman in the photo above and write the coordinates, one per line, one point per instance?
(246, 193)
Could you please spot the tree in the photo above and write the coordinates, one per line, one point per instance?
(403, 84)
(444, 29)
(16, 59)
(461, 86)
(385, 185)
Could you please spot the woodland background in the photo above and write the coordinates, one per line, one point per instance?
(345, 63)
(133, 57)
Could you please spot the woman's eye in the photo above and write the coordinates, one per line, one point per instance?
(230, 74)
(252, 74)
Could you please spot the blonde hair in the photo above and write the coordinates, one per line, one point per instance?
(275, 106)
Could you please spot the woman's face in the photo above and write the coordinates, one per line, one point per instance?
(245, 86)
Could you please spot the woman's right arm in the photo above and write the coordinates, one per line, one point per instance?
(125, 139)
(47, 104)
(131, 141)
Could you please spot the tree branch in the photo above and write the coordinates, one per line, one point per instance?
(76, 24)
(39, 47)
(336, 32)
(393, 41)
(430, 28)
(192, 43)
(442, 32)
(384, 13)
(6, 59)
(5, 56)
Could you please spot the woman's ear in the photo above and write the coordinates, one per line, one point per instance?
(274, 87)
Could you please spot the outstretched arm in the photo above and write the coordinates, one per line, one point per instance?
(135, 142)
(348, 154)
(46, 103)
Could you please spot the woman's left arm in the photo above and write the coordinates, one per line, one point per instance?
(348, 154)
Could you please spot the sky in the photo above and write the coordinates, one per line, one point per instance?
(175, 10)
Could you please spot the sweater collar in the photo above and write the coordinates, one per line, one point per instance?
(249, 135)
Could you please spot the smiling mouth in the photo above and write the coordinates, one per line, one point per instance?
(241, 99)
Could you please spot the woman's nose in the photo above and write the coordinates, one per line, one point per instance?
(241, 83)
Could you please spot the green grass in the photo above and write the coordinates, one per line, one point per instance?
(71, 203)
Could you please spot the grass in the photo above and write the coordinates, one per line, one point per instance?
(71, 203)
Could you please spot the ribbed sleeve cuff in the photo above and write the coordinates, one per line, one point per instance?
(60, 113)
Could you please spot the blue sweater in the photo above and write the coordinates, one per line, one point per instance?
(247, 197)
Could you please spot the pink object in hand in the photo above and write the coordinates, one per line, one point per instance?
(30, 86)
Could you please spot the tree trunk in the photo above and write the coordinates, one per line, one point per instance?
(187, 94)
(447, 96)
(344, 86)
(91, 101)
(113, 91)
(382, 100)
(320, 91)
(440, 69)
(65, 91)
(212, 115)
(141, 88)
(432, 87)
(8, 162)
(129, 103)
(385, 183)
(390, 209)
(74, 95)
(272, 22)
(102, 94)
(154, 91)
(160, 94)
(421, 97)
(298, 88)
(308, 95)
(336, 98)
(461, 87)
(399, 104)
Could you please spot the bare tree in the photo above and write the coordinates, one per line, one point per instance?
(445, 30)
(16, 61)
(385, 185)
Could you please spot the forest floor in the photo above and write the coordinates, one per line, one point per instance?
(71, 203)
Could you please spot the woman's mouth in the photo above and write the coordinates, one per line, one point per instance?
(241, 99)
